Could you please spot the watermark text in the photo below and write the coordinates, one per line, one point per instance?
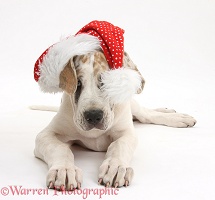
(18, 190)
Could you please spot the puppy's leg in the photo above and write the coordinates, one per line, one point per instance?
(62, 174)
(161, 116)
(115, 170)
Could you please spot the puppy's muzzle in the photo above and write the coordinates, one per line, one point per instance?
(93, 117)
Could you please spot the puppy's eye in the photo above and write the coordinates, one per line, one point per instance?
(78, 91)
(100, 83)
(79, 84)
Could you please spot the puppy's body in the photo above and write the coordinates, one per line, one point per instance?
(89, 119)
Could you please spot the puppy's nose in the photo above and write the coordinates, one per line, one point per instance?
(93, 116)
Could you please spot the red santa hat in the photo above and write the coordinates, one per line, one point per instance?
(119, 84)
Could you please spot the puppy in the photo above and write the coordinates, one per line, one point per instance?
(89, 119)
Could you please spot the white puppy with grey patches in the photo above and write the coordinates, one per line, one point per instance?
(89, 117)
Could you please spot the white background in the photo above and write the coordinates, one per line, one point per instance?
(173, 45)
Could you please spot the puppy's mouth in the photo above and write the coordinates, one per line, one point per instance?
(89, 127)
(99, 126)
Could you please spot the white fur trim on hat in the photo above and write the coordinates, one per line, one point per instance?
(59, 54)
(119, 85)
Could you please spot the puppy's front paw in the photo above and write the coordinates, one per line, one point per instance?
(112, 173)
(64, 178)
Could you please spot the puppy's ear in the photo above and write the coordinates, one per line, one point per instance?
(128, 63)
(68, 78)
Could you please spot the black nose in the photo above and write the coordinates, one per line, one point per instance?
(93, 116)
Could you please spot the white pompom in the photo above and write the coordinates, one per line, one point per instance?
(119, 85)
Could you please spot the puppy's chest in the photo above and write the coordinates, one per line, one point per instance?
(97, 144)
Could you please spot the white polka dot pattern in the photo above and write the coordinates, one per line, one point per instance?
(112, 40)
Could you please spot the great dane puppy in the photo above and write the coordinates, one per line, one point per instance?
(87, 118)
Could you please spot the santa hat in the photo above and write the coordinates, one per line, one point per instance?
(119, 83)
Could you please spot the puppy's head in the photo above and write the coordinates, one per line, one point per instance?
(82, 80)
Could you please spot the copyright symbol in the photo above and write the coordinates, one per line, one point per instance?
(4, 191)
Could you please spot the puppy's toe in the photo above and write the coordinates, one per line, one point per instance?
(60, 179)
(74, 178)
(51, 177)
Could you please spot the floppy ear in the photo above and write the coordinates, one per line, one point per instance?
(68, 78)
(128, 63)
